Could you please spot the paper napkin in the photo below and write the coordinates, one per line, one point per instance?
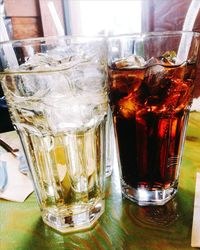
(196, 216)
(17, 185)
(196, 104)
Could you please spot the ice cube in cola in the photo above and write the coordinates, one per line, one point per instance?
(150, 110)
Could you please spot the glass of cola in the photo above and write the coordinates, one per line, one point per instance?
(151, 83)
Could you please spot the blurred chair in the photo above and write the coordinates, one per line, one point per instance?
(32, 18)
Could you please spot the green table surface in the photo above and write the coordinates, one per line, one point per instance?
(124, 225)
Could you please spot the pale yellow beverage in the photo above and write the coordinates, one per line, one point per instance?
(58, 103)
(67, 169)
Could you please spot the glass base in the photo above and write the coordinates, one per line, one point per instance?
(147, 197)
(85, 219)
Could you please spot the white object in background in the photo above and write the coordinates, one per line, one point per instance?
(56, 18)
(188, 25)
(196, 217)
(196, 105)
(8, 50)
(19, 186)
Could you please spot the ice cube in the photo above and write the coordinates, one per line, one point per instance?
(51, 61)
(153, 61)
(128, 105)
(178, 72)
(88, 76)
(68, 93)
(169, 57)
(154, 76)
(174, 97)
(132, 61)
(178, 96)
(155, 69)
(37, 62)
(75, 112)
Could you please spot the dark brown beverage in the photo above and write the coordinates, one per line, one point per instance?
(150, 109)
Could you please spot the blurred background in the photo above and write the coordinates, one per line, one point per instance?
(21, 19)
(34, 18)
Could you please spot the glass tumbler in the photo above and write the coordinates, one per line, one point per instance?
(151, 83)
(55, 88)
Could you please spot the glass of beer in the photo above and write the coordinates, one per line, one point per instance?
(56, 92)
(151, 83)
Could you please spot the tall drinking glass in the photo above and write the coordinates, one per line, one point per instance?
(57, 99)
(151, 82)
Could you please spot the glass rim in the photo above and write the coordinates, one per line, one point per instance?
(153, 34)
(98, 37)
(53, 38)
(48, 40)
